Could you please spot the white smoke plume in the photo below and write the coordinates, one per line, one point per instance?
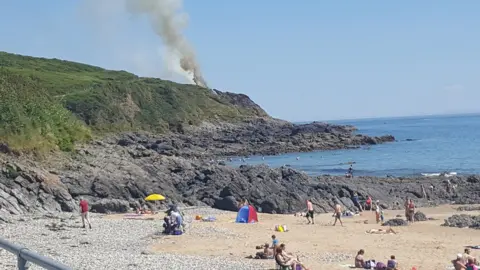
(168, 21)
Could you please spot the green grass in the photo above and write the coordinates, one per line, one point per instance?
(50, 103)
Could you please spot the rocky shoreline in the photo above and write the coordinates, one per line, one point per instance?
(116, 173)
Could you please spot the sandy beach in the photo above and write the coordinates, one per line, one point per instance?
(119, 243)
(426, 245)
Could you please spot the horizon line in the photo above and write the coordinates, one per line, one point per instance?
(389, 117)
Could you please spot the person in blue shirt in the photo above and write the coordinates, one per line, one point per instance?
(274, 241)
(356, 202)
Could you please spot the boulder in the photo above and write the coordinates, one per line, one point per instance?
(395, 222)
(106, 206)
(227, 203)
(463, 221)
(419, 216)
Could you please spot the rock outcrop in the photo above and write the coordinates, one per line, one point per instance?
(395, 222)
(261, 136)
(463, 221)
(114, 176)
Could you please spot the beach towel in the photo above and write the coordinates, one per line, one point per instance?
(209, 219)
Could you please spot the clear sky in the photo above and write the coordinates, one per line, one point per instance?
(314, 60)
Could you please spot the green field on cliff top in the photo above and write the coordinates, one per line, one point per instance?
(53, 104)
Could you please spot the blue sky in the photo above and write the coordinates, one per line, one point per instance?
(315, 60)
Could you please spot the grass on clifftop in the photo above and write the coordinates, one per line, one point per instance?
(47, 103)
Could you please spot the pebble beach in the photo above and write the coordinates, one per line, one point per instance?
(111, 244)
(119, 243)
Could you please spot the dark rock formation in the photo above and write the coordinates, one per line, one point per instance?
(468, 207)
(110, 205)
(255, 137)
(113, 177)
(419, 216)
(463, 221)
(395, 222)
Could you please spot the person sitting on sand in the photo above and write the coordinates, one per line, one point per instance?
(177, 220)
(466, 255)
(167, 225)
(359, 259)
(338, 214)
(458, 263)
(285, 260)
(392, 263)
(287, 254)
(267, 253)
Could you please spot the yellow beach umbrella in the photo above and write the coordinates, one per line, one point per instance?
(154, 197)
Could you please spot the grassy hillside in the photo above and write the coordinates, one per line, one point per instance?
(49, 103)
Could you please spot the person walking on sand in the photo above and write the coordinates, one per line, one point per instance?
(338, 214)
(84, 213)
(310, 212)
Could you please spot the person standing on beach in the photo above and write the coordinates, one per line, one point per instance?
(338, 214)
(310, 212)
(405, 205)
(84, 213)
(411, 211)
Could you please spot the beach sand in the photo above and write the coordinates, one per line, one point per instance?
(425, 245)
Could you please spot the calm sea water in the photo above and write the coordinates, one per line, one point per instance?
(439, 144)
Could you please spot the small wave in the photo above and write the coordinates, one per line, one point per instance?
(446, 174)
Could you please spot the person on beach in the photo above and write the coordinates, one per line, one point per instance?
(458, 263)
(405, 205)
(411, 211)
(310, 212)
(84, 213)
(466, 255)
(378, 210)
(286, 259)
(392, 263)
(356, 202)
(359, 259)
(275, 244)
(338, 214)
(471, 264)
(368, 204)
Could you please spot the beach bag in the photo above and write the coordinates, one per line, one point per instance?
(369, 264)
(177, 232)
(281, 228)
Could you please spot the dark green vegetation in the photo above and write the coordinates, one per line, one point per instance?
(49, 103)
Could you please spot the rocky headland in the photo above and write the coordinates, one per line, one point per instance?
(116, 173)
(114, 138)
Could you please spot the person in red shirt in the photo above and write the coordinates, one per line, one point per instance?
(84, 212)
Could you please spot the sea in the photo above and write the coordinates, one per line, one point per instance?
(427, 145)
